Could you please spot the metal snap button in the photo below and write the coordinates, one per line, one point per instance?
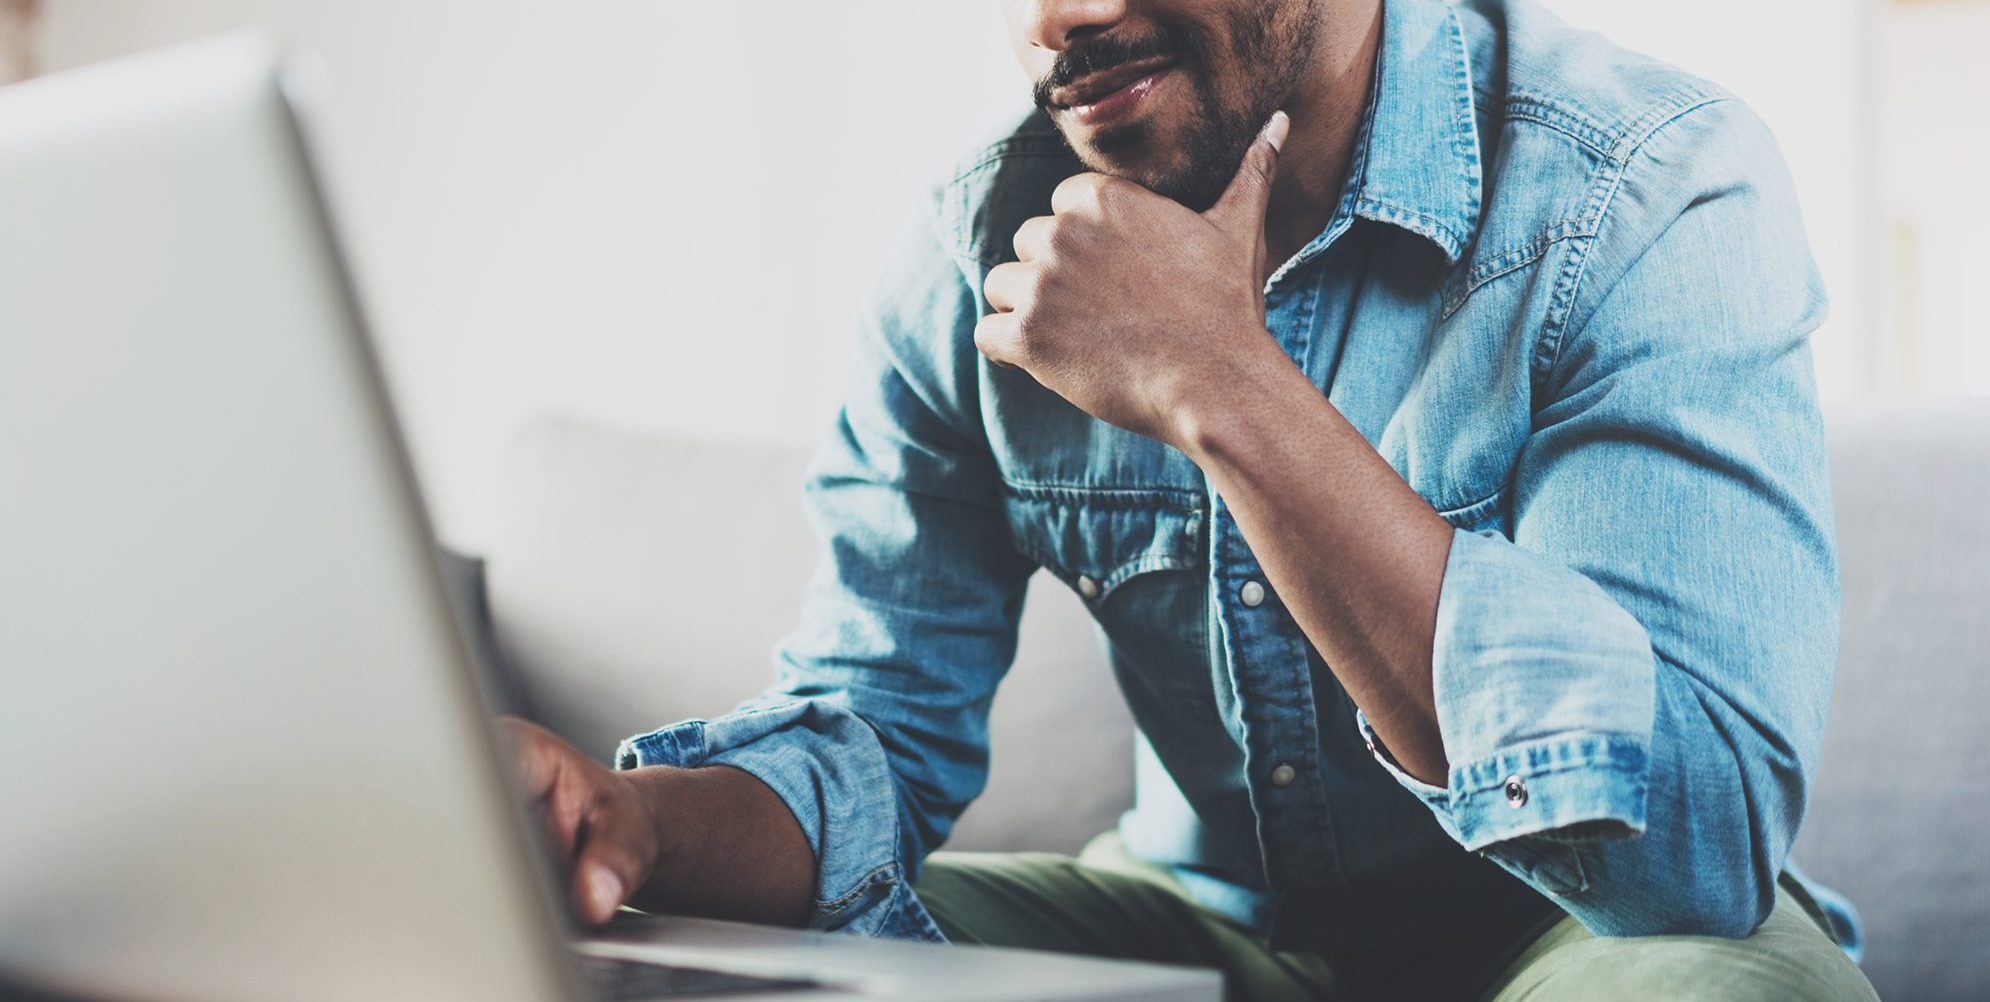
(1283, 775)
(1252, 594)
(1516, 792)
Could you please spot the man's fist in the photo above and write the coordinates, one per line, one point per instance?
(600, 829)
(1130, 305)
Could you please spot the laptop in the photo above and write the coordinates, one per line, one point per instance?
(244, 754)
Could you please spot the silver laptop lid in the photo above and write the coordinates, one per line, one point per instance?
(241, 753)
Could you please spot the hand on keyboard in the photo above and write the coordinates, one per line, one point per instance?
(597, 825)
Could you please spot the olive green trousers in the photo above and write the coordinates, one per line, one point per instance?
(1106, 903)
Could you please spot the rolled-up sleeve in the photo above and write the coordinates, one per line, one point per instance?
(1631, 678)
(875, 733)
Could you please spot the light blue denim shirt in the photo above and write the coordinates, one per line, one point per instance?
(1567, 295)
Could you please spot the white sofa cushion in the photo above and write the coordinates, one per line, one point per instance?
(636, 580)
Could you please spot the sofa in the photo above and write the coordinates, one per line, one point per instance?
(633, 580)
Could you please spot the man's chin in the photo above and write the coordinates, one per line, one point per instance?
(1125, 153)
(1134, 151)
(1124, 146)
(1170, 183)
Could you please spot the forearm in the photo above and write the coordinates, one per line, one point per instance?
(1355, 554)
(730, 847)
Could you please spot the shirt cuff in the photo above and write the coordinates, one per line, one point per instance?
(826, 764)
(1579, 786)
(1546, 693)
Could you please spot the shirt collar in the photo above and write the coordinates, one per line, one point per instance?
(1420, 167)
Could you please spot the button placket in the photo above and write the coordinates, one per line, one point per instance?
(1270, 666)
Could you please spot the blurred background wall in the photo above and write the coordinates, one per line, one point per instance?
(665, 215)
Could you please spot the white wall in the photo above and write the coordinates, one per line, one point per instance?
(1804, 65)
(660, 214)
(1933, 155)
(667, 214)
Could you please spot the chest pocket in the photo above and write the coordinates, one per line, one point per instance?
(1098, 540)
(1135, 558)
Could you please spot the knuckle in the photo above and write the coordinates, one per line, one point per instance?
(1041, 281)
(1004, 338)
(1111, 194)
(532, 743)
(1023, 341)
(1001, 287)
(602, 797)
(1060, 234)
(1026, 236)
(1262, 167)
(984, 336)
(1092, 193)
(1071, 187)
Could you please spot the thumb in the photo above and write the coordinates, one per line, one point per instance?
(1241, 210)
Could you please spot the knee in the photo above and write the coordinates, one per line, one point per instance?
(1760, 968)
(993, 899)
(967, 876)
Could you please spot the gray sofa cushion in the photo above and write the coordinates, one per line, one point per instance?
(1900, 816)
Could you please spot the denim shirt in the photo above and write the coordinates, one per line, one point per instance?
(1567, 295)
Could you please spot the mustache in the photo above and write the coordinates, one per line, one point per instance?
(1097, 53)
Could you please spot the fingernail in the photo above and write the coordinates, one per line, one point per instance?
(606, 890)
(1276, 129)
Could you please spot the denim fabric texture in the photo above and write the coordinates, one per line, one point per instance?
(1567, 295)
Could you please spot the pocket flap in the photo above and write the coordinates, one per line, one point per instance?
(1095, 539)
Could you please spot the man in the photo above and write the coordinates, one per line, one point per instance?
(1419, 397)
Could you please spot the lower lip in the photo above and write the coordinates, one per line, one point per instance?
(1119, 103)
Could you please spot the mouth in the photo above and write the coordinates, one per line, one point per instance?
(1112, 93)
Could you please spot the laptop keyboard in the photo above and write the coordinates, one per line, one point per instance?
(613, 979)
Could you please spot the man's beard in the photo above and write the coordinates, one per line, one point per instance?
(1219, 133)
